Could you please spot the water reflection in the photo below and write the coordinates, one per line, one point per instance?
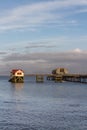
(17, 86)
(44, 106)
(17, 96)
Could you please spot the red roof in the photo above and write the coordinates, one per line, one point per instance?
(15, 70)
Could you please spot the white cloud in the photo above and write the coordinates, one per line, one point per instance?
(50, 44)
(37, 14)
(77, 50)
(75, 61)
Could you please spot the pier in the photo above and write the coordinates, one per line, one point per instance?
(57, 75)
(81, 78)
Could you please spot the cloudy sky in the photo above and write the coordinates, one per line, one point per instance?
(41, 35)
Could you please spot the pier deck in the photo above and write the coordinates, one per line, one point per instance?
(82, 78)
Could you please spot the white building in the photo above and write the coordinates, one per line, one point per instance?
(60, 71)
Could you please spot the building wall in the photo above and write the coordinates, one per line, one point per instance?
(60, 71)
(19, 73)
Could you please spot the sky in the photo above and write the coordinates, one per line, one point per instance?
(41, 35)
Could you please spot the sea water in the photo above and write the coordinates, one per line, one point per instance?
(42, 106)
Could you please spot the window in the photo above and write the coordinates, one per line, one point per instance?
(19, 73)
(62, 70)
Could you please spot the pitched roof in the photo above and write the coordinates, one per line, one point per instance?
(15, 70)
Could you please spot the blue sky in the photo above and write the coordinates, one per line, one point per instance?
(31, 29)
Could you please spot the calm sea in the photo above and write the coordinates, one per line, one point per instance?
(42, 106)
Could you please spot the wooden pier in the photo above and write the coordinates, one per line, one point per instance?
(57, 75)
(81, 78)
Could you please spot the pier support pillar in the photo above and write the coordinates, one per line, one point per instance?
(17, 79)
(39, 78)
(58, 78)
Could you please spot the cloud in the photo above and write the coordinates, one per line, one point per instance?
(39, 46)
(3, 53)
(50, 44)
(77, 50)
(38, 14)
(75, 61)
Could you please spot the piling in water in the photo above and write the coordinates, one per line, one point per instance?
(16, 79)
(58, 78)
(39, 78)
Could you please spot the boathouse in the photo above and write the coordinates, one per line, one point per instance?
(60, 71)
(17, 76)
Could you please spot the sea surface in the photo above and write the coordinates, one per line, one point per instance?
(42, 106)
